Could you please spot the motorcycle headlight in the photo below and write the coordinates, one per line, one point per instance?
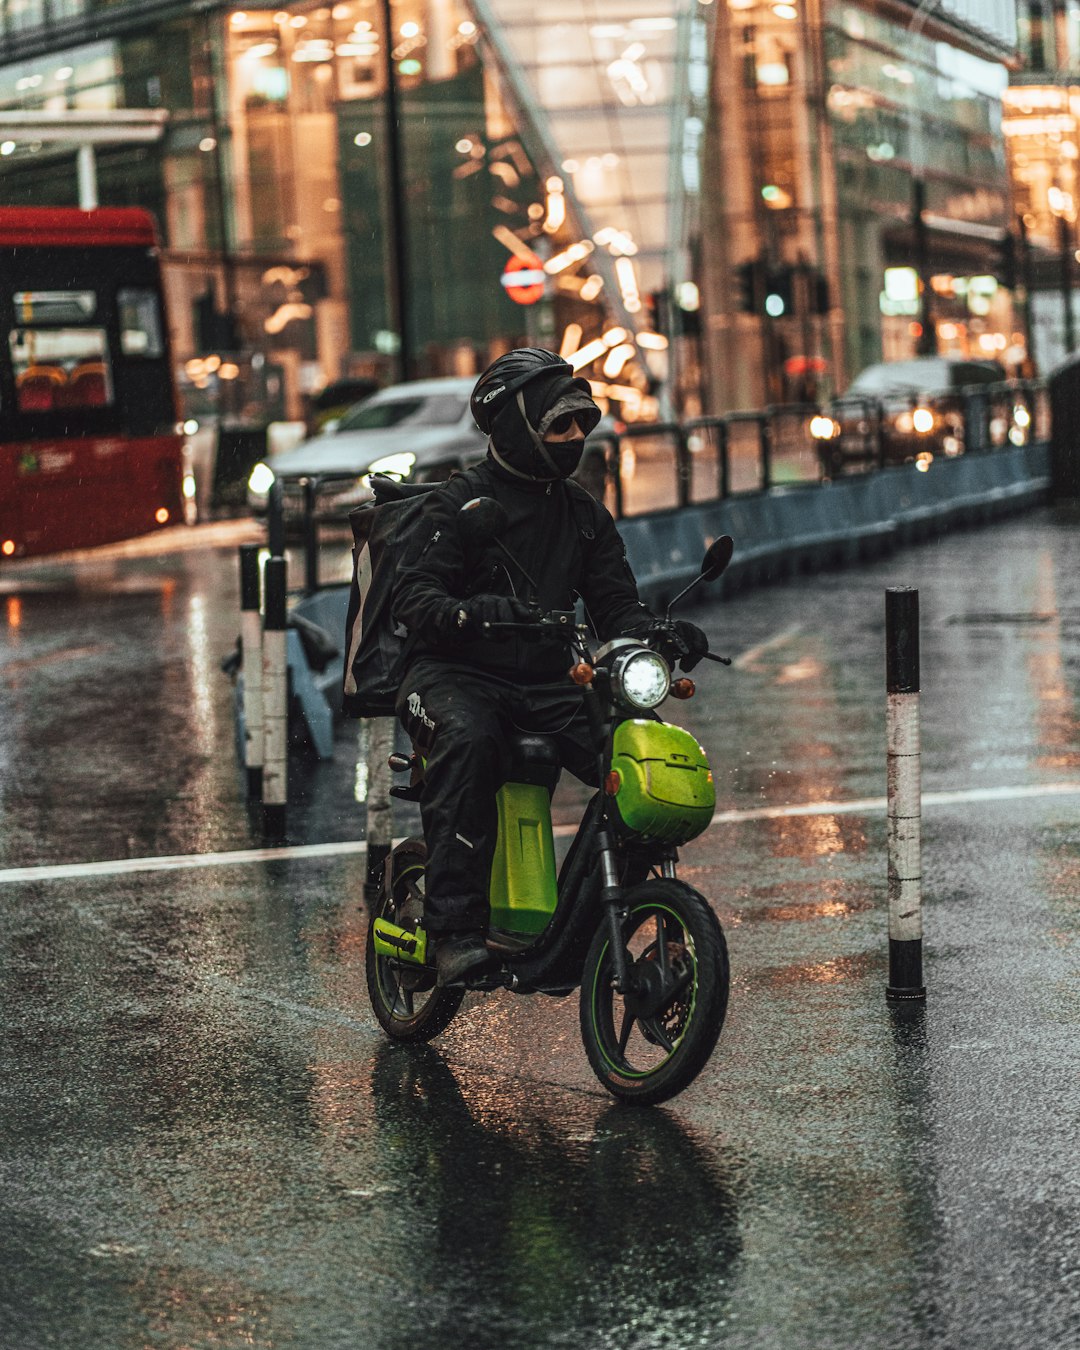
(640, 678)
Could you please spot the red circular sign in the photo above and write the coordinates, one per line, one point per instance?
(524, 281)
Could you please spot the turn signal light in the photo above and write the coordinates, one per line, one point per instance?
(582, 673)
(161, 515)
(682, 688)
(613, 782)
(8, 547)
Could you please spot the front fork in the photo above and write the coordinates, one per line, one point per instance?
(612, 901)
(611, 898)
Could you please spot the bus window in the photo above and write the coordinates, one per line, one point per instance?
(58, 368)
(54, 306)
(140, 322)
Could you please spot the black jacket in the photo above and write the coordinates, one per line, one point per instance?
(564, 539)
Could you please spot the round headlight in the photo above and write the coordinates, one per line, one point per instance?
(641, 679)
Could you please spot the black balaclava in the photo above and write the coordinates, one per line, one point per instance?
(517, 432)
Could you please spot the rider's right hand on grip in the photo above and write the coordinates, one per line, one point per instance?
(479, 615)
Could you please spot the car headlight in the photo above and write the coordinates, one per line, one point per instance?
(640, 678)
(397, 466)
(261, 480)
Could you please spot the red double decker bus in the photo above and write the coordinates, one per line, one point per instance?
(90, 451)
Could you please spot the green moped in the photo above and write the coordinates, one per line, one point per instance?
(645, 949)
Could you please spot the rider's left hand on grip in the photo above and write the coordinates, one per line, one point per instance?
(694, 643)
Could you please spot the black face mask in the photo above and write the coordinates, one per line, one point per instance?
(566, 454)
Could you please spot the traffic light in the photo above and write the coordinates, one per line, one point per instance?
(688, 309)
(779, 301)
(214, 331)
(748, 286)
(1008, 271)
(658, 311)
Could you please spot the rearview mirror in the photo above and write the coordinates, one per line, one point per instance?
(717, 557)
(482, 519)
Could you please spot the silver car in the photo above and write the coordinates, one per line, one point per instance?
(420, 431)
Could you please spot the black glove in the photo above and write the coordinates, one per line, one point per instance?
(678, 640)
(471, 615)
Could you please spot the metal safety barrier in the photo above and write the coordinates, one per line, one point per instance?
(797, 486)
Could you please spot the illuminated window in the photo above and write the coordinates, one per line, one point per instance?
(58, 369)
(140, 323)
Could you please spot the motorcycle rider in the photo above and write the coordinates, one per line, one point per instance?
(466, 688)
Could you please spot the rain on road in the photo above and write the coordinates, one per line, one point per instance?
(207, 1141)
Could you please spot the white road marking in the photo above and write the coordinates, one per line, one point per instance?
(179, 861)
(863, 805)
(358, 847)
(748, 657)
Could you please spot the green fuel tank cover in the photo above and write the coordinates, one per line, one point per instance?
(666, 791)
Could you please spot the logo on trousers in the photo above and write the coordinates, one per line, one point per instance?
(417, 710)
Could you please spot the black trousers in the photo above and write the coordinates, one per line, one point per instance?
(460, 718)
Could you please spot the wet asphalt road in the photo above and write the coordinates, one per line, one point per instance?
(207, 1141)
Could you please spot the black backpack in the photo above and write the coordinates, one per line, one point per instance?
(375, 648)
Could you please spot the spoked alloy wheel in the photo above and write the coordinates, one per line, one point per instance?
(647, 1044)
(406, 1001)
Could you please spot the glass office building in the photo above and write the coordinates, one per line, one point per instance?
(860, 164)
(374, 186)
(359, 188)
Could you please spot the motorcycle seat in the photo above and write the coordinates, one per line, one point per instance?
(533, 759)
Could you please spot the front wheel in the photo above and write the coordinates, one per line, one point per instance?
(407, 1003)
(648, 1043)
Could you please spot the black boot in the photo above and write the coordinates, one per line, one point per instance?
(459, 953)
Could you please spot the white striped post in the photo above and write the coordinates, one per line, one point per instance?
(251, 642)
(380, 816)
(275, 674)
(904, 811)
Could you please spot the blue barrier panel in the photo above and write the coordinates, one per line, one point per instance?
(775, 532)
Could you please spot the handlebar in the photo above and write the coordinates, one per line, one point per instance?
(557, 622)
(563, 624)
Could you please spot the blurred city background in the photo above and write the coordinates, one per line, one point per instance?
(704, 206)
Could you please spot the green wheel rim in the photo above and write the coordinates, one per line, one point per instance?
(624, 1070)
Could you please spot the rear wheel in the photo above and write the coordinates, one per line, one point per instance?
(648, 1043)
(404, 996)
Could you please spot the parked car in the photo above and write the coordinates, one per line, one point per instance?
(420, 432)
(921, 403)
(330, 404)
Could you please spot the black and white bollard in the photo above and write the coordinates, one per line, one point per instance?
(379, 803)
(904, 794)
(275, 673)
(251, 641)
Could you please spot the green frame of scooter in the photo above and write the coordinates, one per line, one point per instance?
(523, 892)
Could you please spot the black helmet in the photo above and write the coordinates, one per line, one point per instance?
(505, 376)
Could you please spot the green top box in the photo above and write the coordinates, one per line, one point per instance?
(666, 792)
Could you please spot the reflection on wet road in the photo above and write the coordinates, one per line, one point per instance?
(207, 1141)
